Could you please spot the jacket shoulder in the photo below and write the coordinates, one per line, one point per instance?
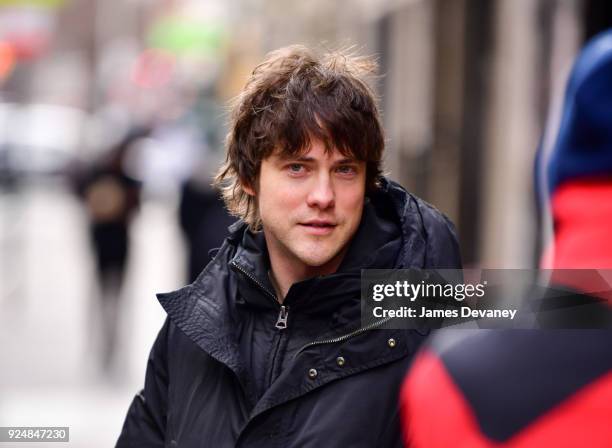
(442, 247)
(430, 238)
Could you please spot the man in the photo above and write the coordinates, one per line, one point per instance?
(530, 388)
(265, 348)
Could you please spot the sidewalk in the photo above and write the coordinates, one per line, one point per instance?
(49, 375)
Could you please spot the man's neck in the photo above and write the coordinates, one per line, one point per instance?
(285, 271)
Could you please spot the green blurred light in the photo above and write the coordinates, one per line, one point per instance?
(50, 4)
(181, 36)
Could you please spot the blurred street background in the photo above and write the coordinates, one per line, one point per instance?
(112, 119)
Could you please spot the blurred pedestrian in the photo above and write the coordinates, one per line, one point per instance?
(204, 221)
(111, 197)
(203, 216)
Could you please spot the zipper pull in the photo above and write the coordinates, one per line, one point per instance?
(281, 322)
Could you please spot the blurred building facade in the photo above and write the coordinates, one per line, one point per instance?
(465, 84)
(465, 87)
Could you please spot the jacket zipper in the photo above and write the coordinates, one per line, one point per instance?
(343, 338)
(283, 314)
(281, 322)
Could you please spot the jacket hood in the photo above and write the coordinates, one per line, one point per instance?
(582, 145)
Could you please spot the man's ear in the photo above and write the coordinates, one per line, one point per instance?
(248, 188)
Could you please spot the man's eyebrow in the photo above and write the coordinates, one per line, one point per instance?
(290, 158)
(346, 160)
(305, 158)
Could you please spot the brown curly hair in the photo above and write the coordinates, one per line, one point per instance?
(293, 96)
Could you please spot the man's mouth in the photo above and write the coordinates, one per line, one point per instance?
(319, 223)
(318, 227)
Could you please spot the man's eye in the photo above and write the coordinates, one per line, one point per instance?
(295, 168)
(346, 169)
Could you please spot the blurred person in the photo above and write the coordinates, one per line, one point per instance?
(533, 388)
(202, 213)
(204, 221)
(111, 197)
(266, 347)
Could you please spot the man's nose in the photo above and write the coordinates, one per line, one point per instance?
(322, 193)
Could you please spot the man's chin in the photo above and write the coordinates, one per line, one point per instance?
(316, 262)
(321, 260)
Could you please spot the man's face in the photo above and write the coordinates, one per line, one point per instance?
(310, 206)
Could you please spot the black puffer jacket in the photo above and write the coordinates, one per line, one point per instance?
(222, 373)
